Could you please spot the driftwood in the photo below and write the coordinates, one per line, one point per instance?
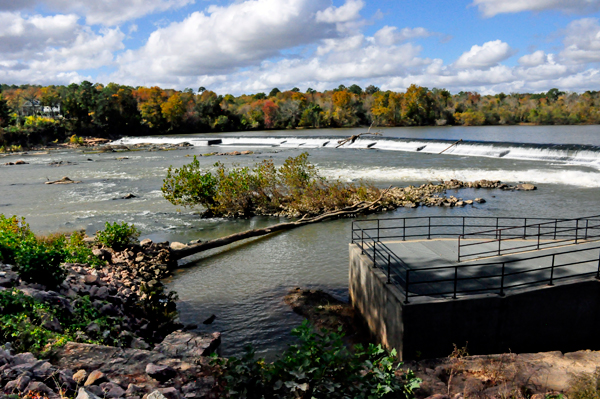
(220, 242)
(354, 137)
(452, 145)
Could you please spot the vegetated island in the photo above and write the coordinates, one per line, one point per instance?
(32, 115)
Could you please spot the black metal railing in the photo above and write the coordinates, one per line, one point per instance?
(510, 240)
(368, 236)
(496, 277)
(435, 226)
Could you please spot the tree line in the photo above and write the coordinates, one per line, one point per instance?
(32, 114)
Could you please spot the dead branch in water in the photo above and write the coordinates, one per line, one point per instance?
(219, 242)
(353, 138)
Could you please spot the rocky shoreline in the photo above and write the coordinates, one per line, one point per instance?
(154, 357)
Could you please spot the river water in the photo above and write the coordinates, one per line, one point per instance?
(244, 284)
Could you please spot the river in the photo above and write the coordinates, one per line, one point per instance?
(244, 284)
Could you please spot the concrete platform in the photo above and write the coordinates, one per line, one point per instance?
(483, 274)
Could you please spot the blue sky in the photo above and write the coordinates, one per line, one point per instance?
(247, 46)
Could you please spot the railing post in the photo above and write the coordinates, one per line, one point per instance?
(429, 229)
(407, 283)
(403, 229)
(576, 230)
(586, 228)
(499, 241)
(377, 229)
(497, 225)
(389, 262)
(374, 254)
(459, 248)
(525, 230)
(552, 271)
(362, 242)
(463, 227)
(538, 244)
(352, 238)
(502, 280)
(598, 272)
(555, 226)
(455, 280)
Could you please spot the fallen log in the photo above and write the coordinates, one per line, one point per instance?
(220, 242)
(354, 137)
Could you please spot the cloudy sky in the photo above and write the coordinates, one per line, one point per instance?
(247, 46)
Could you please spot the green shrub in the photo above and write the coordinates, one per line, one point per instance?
(12, 232)
(118, 236)
(40, 263)
(320, 366)
(294, 188)
(22, 320)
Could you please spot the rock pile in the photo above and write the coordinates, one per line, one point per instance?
(95, 371)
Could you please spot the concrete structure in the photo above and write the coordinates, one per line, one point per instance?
(533, 318)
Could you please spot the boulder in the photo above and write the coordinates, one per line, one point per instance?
(96, 377)
(80, 376)
(526, 187)
(178, 245)
(17, 385)
(160, 373)
(182, 345)
(39, 387)
(85, 394)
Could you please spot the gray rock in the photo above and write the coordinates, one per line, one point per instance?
(169, 393)
(145, 242)
(189, 344)
(134, 390)
(85, 394)
(66, 381)
(155, 395)
(112, 390)
(92, 329)
(23, 358)
(109, 310)
(17, 385)
(160, 373)
(102, 254)
(40, 387)
(43, 371)
(138, 343)
(479, 200)
(9, 279)
(96, 390)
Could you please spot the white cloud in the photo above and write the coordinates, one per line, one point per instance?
(537, 58)
(226, 38)
(44, 49)
(489, 8)
(490, 54)
(582, 41)
(389, 35)
(350, 11)
(102, 12)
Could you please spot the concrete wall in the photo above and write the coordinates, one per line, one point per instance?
(378, 302)
(565, 317)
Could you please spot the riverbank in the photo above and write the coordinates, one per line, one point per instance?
(122, 303)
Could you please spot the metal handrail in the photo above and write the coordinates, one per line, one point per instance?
(399, 273)
(558, 236)
(502, 275)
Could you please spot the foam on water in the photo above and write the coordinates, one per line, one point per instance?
(538, 176)
(567, 154)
